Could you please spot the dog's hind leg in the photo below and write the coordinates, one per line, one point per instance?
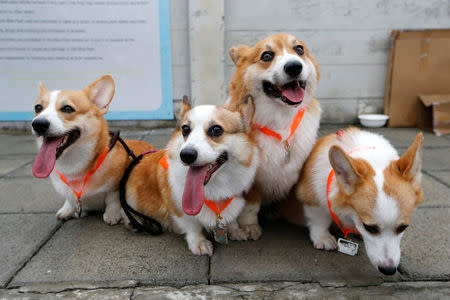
(235, 232)
(318, 220)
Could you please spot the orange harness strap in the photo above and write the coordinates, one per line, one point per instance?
(78, 194)
(164, 162)
(218, 206)
(329, 180)
(215, 206)
(295, 123)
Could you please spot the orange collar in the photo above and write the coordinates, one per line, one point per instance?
(295, 123)
(78, 194)
(330, 179)
(215, 206)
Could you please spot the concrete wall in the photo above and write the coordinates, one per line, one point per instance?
(349, 39)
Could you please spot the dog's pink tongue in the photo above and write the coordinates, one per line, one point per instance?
(295, 94)
(194, 192)
(45, 160)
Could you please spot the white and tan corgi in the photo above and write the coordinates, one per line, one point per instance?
(73, 140)
(281, 75)
(371, 190)
(210, 160)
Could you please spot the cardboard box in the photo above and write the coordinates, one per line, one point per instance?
(419, 64)
(434, 113)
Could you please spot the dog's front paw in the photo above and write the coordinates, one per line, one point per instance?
(325, 242)
(237, 234)
(201, 247)
(67, 212)
(111, 217)
(252, 231)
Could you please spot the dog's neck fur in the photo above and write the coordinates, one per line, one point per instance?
(81, 157)
(268, 112)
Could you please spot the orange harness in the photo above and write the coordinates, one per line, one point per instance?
(78, 194)
(295, 123)
(330, 179)
(215, 206)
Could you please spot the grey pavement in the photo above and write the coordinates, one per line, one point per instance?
(41, 257)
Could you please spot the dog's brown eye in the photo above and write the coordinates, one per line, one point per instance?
(401, 228)
(67, 109)
(215, 131)
(38, 108)
(373, 229)
(267, 56)
(185, 130)
(299, 49)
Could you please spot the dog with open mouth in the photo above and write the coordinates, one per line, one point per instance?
(356, 179)
(281, 74)
(75, 151)
(197, 182)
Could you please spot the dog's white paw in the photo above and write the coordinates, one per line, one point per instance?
(67, 212)
(201, 247)
(237, 234)
(252, 231)
(325, 242)
(112, 217)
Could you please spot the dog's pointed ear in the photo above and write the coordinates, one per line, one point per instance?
(101, 92)
(344, 169)
(246, 109)
(185, 107)
(410, 164)
(42, 88)
(236, 53)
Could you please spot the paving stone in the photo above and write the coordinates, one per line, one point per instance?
(28, 195)
(425, 251)
(435, 193)
(399, 137)
(88, 250)
(20, 236)
(17, 144)
(11, 163)
(442, 176)
(295, 290)
(436, 159)
(285, 252)
(25, 170)
(98, 294)
(403, 137)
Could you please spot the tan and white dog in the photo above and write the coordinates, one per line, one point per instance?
(209, 162)
(281, 75)
(372, 189)
(73, 137)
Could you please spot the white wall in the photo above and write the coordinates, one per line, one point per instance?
(349, 39)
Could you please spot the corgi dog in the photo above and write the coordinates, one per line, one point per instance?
(73, 140)
(358, 177)
(199, 178)
(281, 75)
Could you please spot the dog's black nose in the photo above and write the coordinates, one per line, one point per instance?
(293, 68)
(387, 270)
(40, 125)
(188, 155)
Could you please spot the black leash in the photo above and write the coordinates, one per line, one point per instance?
(149, 225)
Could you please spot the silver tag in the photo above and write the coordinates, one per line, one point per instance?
(220, 232)
(287, 148)
(347, 247)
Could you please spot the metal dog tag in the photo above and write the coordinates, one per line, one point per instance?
(220, 232)
(347, 247)
(287, 148)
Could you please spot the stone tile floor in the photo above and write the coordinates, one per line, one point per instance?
(44, 258)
